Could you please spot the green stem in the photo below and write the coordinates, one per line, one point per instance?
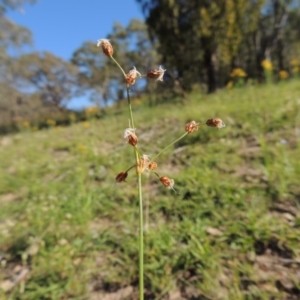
(141, 222)
(118, 66)
(169, 146)
(141, 240)
(134, 166)
(128, 96)
(129, 107)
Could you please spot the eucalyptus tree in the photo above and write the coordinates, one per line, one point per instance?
(52, 78)
(203, 40)
(199, 39)
(12, 37)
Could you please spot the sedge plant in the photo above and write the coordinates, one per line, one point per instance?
(143, 162)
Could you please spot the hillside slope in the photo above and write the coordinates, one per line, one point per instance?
(232, 230)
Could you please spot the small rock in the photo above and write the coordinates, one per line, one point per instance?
(6, 285)
(213, 231)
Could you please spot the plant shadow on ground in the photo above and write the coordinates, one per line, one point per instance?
(232, 231)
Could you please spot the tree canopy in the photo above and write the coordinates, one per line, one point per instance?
(204, 40)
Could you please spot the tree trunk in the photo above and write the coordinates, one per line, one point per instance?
(212, 72)
(280, 55)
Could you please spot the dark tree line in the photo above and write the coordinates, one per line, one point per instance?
(203, 40)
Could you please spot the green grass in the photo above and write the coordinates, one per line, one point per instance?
(231, 232)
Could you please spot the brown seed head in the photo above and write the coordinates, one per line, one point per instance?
(106, 47)
(191, 127)
(121, 176)
(157, 74)
(152, 165)
(132, 76)
(130, 136)
(215, 122)
(167, 182)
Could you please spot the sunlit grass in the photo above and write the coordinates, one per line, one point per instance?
(63, 217)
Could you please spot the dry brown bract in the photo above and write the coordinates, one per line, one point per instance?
(156, 74)
(130, 136)
(132, 76)
(191, 127)
(121, 177)
(106, 47)
(215, 122)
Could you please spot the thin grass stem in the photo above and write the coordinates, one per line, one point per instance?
(139, 177)
(118, 66)
(141, 240)
(159, 153)
(129, 107)
(141, 213)
(128, 95)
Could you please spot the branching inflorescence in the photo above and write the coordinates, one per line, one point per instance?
(143, 162)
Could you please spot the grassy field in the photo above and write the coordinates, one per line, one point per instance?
(68, 231)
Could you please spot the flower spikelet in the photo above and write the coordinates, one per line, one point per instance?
(106, 47)
(130, 136)
(167, 182)
(143, 163)
(132, 76)
(121, 177)
(215, 122)
(191, 127)
(157, 74)
(152, 165)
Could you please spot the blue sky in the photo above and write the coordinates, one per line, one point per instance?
(61, 26)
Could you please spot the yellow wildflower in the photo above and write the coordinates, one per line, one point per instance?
(267, 65)
(283, 74)
(238, 72)
(294, 62)
(229, 85)
(26, 124)
(81, 148)
(86, 124)
(51, 122)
